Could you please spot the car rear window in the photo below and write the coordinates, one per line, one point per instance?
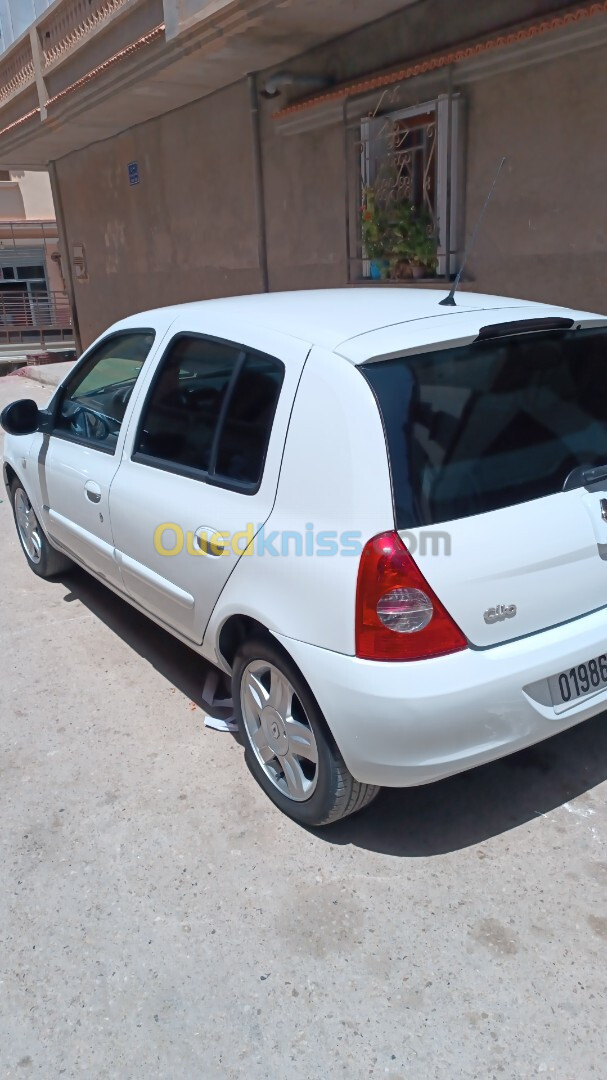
(492, 424)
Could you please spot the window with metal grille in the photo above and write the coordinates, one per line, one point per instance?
(408, 225)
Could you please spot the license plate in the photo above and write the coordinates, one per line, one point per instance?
(578, 682)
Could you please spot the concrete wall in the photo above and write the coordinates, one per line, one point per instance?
(185, 232)
(189, 229)
(545, 236)
(427, 26)
(304, 183)
(54, 275)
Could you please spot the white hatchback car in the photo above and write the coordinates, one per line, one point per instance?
(386, 518)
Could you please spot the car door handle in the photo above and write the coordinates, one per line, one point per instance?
(202, 541)
(92, 491)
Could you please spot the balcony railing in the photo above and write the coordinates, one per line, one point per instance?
(65, 28)
(37, 315)
(16, 71)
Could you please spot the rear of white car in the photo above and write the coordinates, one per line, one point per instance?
(478, 613)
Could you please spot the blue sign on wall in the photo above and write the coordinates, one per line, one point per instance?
(133, 168)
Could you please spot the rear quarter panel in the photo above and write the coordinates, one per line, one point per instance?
(333, 494)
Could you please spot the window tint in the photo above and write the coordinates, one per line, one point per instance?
(210, 410)
(181, 415)
(495, 423)
(246, 430)
(95, 400)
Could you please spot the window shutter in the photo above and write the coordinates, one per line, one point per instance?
(22, 256)
(449, 124)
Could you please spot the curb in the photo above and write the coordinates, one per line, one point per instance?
(46, 374)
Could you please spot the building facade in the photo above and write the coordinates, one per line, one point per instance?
(359, 150)
(32, 286)
(31, 279)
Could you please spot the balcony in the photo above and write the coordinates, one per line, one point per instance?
(71, 42)
(89, 69)
(54, 38)
(65, 28)
(35, 319)
(16, 71)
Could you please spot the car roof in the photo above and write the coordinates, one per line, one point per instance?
(337, 319)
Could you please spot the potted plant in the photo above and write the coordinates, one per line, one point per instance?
(399, 239)
(375, 225)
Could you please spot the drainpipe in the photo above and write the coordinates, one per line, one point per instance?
(67, 262)
(258, 185)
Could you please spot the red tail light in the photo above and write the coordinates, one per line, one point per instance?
(398, 617)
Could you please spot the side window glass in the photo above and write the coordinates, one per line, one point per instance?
(181, 414)
(210, 410)
(245, 433)
(95, 401)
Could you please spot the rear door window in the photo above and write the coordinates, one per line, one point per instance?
(210, 412)
(245, 434)
(485, 426)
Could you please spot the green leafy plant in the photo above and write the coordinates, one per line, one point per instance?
(375, 226)
(399, 238)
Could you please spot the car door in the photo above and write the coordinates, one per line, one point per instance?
(78, 457)
(203, 459)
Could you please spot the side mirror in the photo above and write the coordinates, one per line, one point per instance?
(21, 417)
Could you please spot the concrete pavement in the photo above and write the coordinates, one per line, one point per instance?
(50, 374)
(159, 919)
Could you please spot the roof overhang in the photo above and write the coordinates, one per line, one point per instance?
(533, 42)
(64, 87)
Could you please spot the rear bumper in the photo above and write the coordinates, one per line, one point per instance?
(405, 724)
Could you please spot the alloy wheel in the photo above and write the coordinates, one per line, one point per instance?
(278, 730)
(28, 527)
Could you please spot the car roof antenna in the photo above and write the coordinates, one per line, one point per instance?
(449, 300)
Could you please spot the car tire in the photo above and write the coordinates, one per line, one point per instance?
(42, 557)
(289, 749)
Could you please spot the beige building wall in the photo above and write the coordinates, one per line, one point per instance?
(54, 271)
(189, 229)
(37, 198)
(186, 231)
(26, 197)
(305, 189)
(12, 207)
(545, 237)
